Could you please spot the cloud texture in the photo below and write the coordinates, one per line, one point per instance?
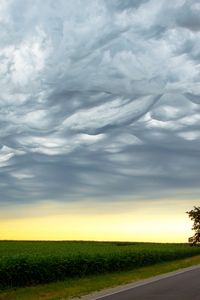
(99, 99)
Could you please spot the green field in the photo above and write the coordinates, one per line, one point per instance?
(30, 263)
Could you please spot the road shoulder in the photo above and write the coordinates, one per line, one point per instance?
(125, 287)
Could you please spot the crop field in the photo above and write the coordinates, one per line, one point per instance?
(30, 263)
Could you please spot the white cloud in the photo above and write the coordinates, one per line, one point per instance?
(6, 153)
(115, 113)
(190, 135)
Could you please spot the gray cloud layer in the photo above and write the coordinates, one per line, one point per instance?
(99, 99)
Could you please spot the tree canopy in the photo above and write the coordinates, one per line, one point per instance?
(194, 215)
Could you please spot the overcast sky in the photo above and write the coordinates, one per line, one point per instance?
(99, 100)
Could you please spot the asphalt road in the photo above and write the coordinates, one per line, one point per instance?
(184, 286)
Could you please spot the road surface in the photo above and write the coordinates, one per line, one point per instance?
(181, 286)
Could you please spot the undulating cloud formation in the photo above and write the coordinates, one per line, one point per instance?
(99, 100)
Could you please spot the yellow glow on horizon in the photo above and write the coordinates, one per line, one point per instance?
(155, 222)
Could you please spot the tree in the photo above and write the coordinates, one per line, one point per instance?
(194, 215)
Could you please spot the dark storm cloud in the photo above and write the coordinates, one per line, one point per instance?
(99, 100)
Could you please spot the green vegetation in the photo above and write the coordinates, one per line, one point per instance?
(30, 263)
(77, 287)
(194, 215)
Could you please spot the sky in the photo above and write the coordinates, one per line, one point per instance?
(99, 119)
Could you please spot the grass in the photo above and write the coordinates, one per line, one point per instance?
(77, 287)
(31, 263)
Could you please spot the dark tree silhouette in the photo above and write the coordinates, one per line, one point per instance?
(194, 215)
